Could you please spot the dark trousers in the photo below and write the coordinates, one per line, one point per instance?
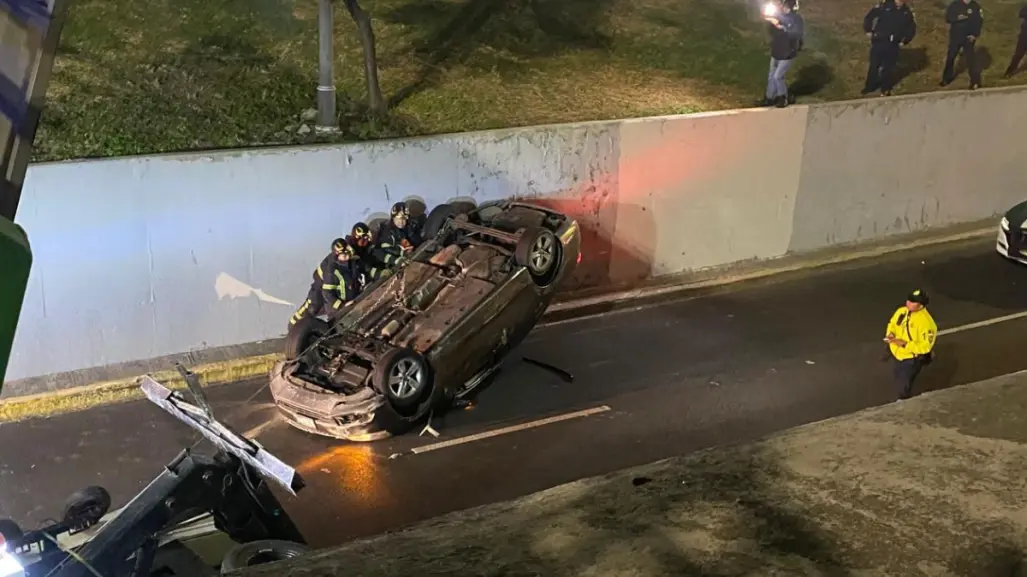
(969, 54)
(311, 307)
(905, 373)
(1018, 54)
(884, 56)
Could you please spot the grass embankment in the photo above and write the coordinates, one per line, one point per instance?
(158, 76)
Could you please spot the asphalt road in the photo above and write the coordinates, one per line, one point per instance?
(677, 376)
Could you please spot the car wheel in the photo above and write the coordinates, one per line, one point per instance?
(538, 250)
(436, 219)
(261, 552)
(404, 377)
(86, 506)
(302, 335)
(9, 531)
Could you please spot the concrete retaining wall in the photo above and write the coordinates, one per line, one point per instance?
(142, 257)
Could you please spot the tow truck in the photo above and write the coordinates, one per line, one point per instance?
(200, 517)
(167, 529)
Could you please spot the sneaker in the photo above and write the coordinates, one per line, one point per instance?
(974, 86)
(782, 101)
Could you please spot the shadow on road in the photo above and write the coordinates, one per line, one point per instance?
(1005, 289)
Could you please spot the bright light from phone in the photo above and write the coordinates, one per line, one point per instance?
(769, 9)
(9, 564)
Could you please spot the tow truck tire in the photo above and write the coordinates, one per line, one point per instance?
(9, 530)
(532, 241)
(411, 363)
(261, 552)
(302, 334)
(86, 506)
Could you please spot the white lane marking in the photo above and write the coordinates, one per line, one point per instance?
(613, 312)
(986, 323)
(510, 429)
(953, 330)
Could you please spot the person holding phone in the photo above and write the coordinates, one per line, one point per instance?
(911, 335)
(966, 21)
(786, 39)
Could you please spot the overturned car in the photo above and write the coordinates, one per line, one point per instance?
(434, 330)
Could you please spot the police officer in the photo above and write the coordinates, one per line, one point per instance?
(336, 282)
(889, 25)
(396, 239)
(1021, 45)
(966, 19)
(910, 335)
(361, 240)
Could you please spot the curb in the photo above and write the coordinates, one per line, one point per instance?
(223, 372)
(764, 269)
(88, 396)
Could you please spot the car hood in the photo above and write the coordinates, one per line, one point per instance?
(1017, 216)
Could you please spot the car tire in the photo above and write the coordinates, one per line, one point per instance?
(404, 377)
(435, 220)
(261, 552)
(539, 251)
(463, 206)
(86, 506)
(9, 530)
(302, 334)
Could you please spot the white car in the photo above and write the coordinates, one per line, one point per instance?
(1012, 234)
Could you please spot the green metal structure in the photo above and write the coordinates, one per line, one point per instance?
(30, 33)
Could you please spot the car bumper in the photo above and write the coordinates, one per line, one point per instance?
(321, 412)
(1002, 246)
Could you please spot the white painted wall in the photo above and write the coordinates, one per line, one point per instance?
(142, 257)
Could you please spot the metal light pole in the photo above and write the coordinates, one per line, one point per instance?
(326, 117)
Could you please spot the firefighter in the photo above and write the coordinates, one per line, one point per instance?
(396, 239)
(336, 282)
(910, 335)
(361, 240)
